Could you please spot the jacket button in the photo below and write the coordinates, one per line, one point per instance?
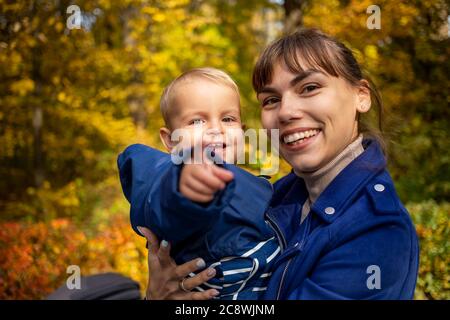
(379, 187)
(329, 210)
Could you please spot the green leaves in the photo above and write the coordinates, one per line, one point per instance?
(433, 229)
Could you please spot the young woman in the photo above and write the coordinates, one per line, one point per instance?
(343, 230)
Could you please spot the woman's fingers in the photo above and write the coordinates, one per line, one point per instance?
(183, 270)
(204, 295)
(152, 240)
(196, 295)
(202, 277)
(164, 253)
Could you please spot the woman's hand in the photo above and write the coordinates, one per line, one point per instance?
(165, 276)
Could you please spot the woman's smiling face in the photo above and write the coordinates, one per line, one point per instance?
(316, 114)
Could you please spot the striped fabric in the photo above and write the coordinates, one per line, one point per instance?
(244, 277)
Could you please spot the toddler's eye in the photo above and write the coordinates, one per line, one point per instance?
(196, 122)
(228, 119)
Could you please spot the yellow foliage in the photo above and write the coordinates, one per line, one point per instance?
(22, 87)
(99, 89)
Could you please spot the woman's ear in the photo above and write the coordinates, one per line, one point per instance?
(244, 126)
(364, 101)
(165, 136)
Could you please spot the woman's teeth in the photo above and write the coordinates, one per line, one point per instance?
(300, 136)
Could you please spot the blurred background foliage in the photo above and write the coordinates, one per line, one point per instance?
(72, 99)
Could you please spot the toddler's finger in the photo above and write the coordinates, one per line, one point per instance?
(193, 195)
(209, 178)
(199, 186)
(223, 174)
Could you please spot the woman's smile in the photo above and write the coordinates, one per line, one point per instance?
(298, 139)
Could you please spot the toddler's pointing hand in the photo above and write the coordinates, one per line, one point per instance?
(199, 182)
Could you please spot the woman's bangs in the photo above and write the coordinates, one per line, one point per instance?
(303, 56)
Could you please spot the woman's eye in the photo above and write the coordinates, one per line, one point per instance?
(269, 101)
(197, 122)
(309, 88)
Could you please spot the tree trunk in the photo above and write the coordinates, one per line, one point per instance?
(293, 12)
(38, 118)
(136, 100)
(37, 147)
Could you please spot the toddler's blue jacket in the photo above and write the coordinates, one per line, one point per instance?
(228, 226)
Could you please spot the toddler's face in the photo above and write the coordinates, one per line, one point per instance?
(206, 114)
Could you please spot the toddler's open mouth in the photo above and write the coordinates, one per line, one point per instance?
(215, 150)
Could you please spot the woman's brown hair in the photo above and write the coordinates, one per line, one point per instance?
(319, 50)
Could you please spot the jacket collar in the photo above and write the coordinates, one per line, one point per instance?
(286, 205)
(349, 182)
